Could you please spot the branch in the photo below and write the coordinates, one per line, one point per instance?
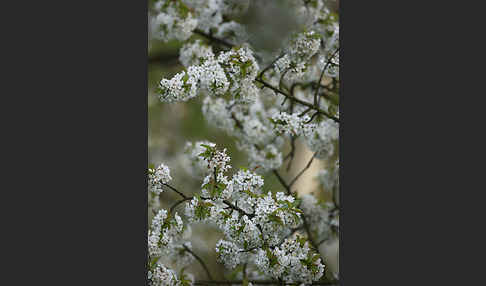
(316, 108)
(302, 172)
(262, 73)
(171, 210)
(200, 261)
(276, 245)
(164, 58)
(309, 236)
(238, 209)
(175, 190)
(213, 39)
(322, 74)
(289, 192)
(292, 152)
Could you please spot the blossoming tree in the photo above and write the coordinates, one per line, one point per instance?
(264, 100)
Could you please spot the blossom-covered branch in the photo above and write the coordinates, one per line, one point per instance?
(268, 237)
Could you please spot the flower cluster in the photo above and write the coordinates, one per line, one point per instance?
(163, 232)
(323, 140)
(258, 226)
(173, 21)
(329, 178)
(157, 177)
(192, 161)
(293, 261)
(292, 124)
(182, 87)
(229, 253)
(193, 53)
(251, 221)
(320, 137)
(317, 216)
(264, 100)
(160, 275)
(230, 73)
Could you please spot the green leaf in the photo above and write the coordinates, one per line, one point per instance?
(154, 262)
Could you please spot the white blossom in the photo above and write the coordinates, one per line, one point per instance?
(293, 261)
(293, 124)
(192, 161)
(193, 53)
(182, 87)
(260, 228)
(174, 21)
(229, 253)
(158, 177)
(162, 276)
(323, 138)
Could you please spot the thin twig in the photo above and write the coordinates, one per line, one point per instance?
(200, 261)
(309, 236)
(262, 73)
(302, 172)
(322, 75)
(292, 152)
(316, 108)
(238, 209)
(211, 38)
(281, 180)
(175, 190)
(171, 210)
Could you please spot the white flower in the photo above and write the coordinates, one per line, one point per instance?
(158, 177)
(246, 180)
(292, 262)
(229, 253)
(194, 164)
(292, 124)
(182, 87)
(162, 276)
(174, 21)
(323, 138)
(193, 53)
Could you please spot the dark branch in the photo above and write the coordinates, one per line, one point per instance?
(171, 210)
(316, 108)
(213, 39)
(322, 74)
(301, 172)
(238, 209)
(175, 190)
(280, 179)
(200, 261)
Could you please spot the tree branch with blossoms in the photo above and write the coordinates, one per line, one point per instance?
(269, 237)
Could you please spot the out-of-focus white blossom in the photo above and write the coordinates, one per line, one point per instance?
(323, 139)
(192, 161)
(193, 53)
(173, 21)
